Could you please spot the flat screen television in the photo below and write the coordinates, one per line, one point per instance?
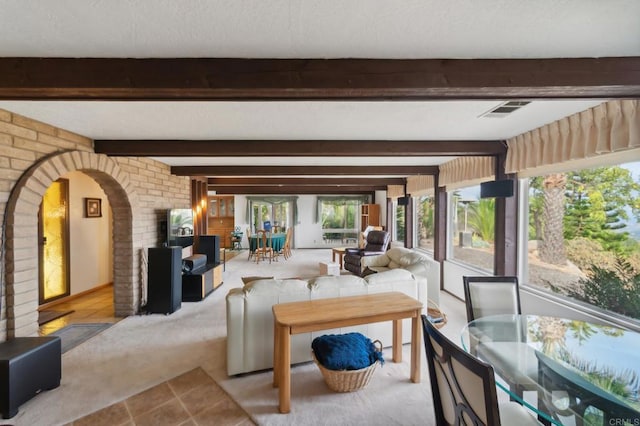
(180, 227)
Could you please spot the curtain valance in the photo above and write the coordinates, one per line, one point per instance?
(395, 191)
(420, 185)
(601, 135)
(466, 171)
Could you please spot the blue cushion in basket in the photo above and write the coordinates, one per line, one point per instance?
(351, 351)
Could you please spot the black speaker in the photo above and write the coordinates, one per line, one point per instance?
(403, 201)
(209, 245)
(498, 188)
(164, 280)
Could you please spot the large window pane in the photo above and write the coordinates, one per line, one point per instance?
(399, 222)
(473, 227)
(424, 225)
(583, 239)
(340, 221)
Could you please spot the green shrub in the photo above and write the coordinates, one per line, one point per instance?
(616, 289)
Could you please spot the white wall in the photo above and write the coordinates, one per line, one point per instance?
(91, 242)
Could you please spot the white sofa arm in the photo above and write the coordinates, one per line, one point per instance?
(373, 261)
(235, 331)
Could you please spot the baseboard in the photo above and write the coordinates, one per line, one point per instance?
(48, 305)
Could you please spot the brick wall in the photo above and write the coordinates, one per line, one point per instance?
(34, 154)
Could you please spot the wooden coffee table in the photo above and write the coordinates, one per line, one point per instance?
(340, 252)
(321, 314)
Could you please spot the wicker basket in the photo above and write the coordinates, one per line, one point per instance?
(348, 380)
(433, 310)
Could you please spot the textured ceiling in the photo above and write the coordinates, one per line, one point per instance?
(310, 29)
(320, 29)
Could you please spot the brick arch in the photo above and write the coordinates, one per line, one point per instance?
(21, 302)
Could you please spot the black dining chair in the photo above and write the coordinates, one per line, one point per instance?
(464, 388)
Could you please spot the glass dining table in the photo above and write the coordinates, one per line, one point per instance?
(277, 241)
(580, 372)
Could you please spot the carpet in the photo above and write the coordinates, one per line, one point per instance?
(140, 352)
(49, 315)
(74, 334)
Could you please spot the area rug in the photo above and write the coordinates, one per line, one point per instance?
(74, 334)
(49, 315)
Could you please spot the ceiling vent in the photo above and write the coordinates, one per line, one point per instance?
(505, 109)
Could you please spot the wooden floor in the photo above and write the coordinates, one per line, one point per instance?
(96, 306)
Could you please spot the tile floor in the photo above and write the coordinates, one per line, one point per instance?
(182, 401)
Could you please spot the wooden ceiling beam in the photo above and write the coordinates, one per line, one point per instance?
(296, 148)
(253, 181)
(293, 190)
(394, 171)
(316, 79)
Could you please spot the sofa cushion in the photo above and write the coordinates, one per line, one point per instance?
(388, 276)
(271, 286)
(375, 261)
(247, 280)
(404, 256)
(331, 286)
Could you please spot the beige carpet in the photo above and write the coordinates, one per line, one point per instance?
(140, 352)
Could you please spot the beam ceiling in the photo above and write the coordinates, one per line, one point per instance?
(253, 181)
(390, 171)
(293, 190)
(316, 79)
(296, 148)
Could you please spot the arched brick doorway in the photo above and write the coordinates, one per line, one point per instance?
(21, 302)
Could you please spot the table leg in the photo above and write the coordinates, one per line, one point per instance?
(397, 340)
(276, 355)
(285, 370)
(340, 257)
(415, 348)
(333, 256)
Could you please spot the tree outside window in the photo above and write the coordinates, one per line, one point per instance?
(584, 235)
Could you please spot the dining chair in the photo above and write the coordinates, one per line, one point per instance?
(263, 246)
(464, 388)
(500, 295)
(251, 248)
(286, 248)
(491, 295)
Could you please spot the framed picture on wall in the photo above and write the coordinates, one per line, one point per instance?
(92, 207)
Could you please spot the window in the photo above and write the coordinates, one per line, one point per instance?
(583, 236)
(340, 220)
(280, 215)
(472, 227)
(424, 223)
(399, 224)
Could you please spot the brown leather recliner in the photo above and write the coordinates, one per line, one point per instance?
(377, 243)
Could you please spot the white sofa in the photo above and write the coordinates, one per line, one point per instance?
(397, 257)
(250, 317)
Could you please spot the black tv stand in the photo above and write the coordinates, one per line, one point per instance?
(199, 283)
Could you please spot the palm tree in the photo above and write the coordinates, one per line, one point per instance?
(551, 249)
(483, 219)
